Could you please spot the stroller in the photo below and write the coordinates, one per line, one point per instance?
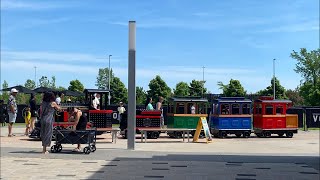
(75, 137)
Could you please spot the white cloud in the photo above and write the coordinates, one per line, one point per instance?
(295, 27)
(54, 56)
(28, 5)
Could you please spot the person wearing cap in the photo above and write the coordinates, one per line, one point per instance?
(121, 110)
(12, 110)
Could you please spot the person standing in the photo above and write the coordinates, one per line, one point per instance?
(33, 110)
(27, 120)
(193, 109)
(96, 101)
(12, 110)
(159, 108)
(48, 107)
(3, 113)
(121, 110)
(58, 99)
(148, 104)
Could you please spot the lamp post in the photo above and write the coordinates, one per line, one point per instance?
(274, 79)
(203, 80)
(109, 79)
(35, 76)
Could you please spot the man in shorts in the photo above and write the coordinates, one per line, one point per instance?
(80, 122)
(12, 110)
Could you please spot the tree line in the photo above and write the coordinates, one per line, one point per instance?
(307, 93)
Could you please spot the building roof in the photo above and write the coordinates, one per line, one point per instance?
(188, 99)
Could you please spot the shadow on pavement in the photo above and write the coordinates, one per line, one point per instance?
(184, 166)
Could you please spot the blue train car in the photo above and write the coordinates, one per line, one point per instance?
(231, 115)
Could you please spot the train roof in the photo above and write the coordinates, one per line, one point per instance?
(96, 91)
(188, 99)
(274, 101)
(232, 100)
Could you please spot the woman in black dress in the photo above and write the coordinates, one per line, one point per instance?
(34, 112)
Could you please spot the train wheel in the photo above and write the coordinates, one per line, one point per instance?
(280, 134)
(289, 134)
(260, 135)
(267, 134)
(202, 135)
(222, 134)
(154, 135)
(216, 135)
(238, 135)
(178, 135)
(246, 134)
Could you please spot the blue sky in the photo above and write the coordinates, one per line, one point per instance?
(175, 38)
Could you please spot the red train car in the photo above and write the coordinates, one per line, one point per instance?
(269, 117)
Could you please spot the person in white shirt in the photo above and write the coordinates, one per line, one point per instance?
(121, 110)
(96, 101)
(193, 109)
(58, 99)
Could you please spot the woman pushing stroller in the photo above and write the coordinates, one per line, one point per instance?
(80, 122)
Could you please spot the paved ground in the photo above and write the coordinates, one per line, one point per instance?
(165, 158)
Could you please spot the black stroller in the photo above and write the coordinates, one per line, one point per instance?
(75, 137)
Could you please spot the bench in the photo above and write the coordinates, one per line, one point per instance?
(184, 132)
(113, 131)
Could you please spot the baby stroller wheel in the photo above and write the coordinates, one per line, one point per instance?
(93, 148)
(54, 148)
(86, 150)
(59, 148)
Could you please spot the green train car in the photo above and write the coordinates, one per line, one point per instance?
(184, 112)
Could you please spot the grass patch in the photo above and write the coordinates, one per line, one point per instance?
(301, 129)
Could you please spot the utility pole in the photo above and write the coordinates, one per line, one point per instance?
(109, 78)
(274, 79)
(131, 133)
(203, 81)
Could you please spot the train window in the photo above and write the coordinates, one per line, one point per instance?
(170, 108)
(180, 108)
(269, 109)
(202, 109)
(225, 109)
(235, 108)
(279, 110)
(259, 110)
(246, 109)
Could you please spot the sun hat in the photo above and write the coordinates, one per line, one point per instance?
(13, 90)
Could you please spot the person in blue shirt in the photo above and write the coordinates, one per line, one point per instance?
(148, 104)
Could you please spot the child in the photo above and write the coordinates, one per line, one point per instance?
(27, 119)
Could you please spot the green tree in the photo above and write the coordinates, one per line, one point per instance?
(295, 97)
(53, 82)
(60, 88)
(233, 89)
(119, 91)
(141, 95)
(308, 65)
(158, 87)
(30, 84)
(103, 78)
(5, 95)
(196, 88)
(76, 85)
(280, 90)
(182, 89)
(44, 82)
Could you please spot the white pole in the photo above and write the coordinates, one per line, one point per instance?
(132, 86)
(274, 79)
(109, 79)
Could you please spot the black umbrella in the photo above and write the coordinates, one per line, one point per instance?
(43, 90)
(20, 88)
(72, 93)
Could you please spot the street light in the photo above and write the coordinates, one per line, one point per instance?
(203, 80)
(274, 79)
(109, 78)
(35, 76)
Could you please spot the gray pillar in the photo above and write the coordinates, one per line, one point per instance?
(132, 86)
